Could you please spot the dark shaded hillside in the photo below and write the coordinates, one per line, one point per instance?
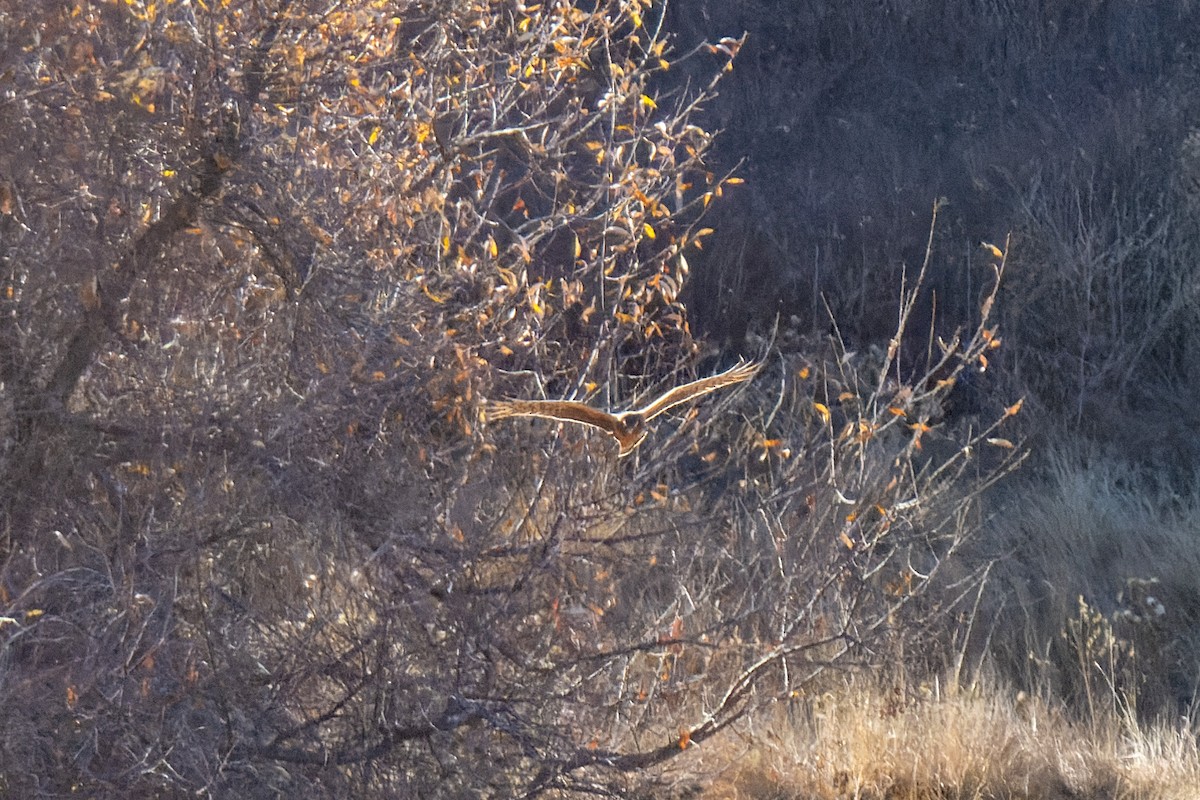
(1063, 122)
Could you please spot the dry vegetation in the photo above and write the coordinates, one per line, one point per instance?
(263, 263)
(871, 741)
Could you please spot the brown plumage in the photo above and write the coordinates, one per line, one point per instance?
(627, 427)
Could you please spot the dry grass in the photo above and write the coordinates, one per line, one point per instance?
(1093, 593)
(863, 740)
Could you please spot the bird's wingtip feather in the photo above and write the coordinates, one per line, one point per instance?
(497, 409)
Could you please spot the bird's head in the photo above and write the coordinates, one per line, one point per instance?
(632, 422)
(630, 431)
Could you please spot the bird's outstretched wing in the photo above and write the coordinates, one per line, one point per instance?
(553, 409)
(741, 371)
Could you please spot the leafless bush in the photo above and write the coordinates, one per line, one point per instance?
(1114, 265)
(264, 261)
(710, 578)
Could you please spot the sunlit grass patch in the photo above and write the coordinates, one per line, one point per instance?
(866, 739)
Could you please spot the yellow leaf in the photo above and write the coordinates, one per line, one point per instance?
(433, 296)
(509, 278)
(374, 137)
(994, 251)
(846, 540)
(649, 230)
(648, 103)
(823, 410)
(735, 181)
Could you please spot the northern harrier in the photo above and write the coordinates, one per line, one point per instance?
(627, 427)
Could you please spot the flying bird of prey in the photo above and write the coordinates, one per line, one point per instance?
(627, 427)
